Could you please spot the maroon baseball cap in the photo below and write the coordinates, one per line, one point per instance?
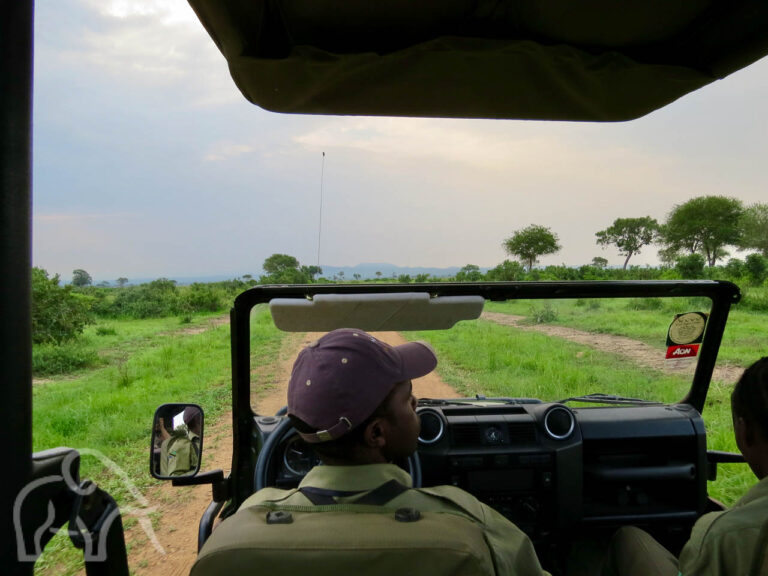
(339, 380)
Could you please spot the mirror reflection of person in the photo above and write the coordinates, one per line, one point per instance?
(726, 543)
(350, 396)
(180, 449)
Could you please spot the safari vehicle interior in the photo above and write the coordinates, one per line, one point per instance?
(516, 59)
(568, 467)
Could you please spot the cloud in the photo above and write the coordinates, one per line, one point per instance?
(167, 12)
(225, 150)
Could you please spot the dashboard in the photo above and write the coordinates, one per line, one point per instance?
(550, 468)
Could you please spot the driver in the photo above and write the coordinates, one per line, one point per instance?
(350, 396)
(732, 542)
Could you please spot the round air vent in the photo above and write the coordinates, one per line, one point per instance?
(432, 427)
(559, 422)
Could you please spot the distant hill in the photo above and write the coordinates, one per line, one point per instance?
(366, 270)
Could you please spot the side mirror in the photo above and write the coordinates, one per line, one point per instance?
(177, 441)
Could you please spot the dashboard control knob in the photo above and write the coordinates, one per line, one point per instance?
(493, 435)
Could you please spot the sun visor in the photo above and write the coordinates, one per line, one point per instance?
(548, 60)
(374, 312)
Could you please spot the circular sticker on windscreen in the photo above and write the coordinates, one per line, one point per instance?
(687, 328)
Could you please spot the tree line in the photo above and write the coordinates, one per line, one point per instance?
(704, 226)
(692, 240)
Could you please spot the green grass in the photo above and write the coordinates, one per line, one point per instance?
(109, 410)
(487, 358)
(105, 342)
(743, 342)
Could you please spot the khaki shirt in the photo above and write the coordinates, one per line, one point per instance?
(725, 543)
(179, 453)
(512, 551)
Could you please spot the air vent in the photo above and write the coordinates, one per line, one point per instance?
(559, 422)
(432, 427)
(521, 432)
(466, 435)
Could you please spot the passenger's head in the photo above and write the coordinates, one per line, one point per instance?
(749, 406)
(193, 418)
(350, 396)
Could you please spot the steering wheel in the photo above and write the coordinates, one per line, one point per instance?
(283, 431)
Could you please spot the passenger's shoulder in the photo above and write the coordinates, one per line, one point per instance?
(266, 495)
(458, 498)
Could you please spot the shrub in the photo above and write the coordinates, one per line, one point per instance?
(48, 359)
(645, 304)
(544, 314)
(156, 299)
(756, 268)
(691, 266)
(507, 271)
(58, 314)
(201, 298)
(755, 299)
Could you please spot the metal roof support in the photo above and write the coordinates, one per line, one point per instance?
(16, 64)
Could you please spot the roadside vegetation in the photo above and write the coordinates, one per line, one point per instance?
(108, 410)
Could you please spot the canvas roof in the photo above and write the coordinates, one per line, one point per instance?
(597, 60)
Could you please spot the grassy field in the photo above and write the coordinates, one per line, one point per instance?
(647, 320)
(109, 410)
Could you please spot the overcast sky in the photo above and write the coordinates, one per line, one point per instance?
(149, 163)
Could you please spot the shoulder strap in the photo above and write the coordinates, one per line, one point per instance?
(376, 497)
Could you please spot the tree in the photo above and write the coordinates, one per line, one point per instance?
(469, 273)
(507, 271)
(629, 235)
(81, 278)
(283, 269)
(703, 225)
(530, 243)
(278, 264)
(312, 271)
(122, 281)
(599, 262)
(356, 276)
(58, 314)
(754, 228)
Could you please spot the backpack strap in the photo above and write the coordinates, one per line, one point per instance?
(376, 497)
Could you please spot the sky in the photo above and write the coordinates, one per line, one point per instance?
(148, 162)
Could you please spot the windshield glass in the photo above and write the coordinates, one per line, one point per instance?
(550, 350)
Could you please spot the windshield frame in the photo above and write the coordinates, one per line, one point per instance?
(721, 293)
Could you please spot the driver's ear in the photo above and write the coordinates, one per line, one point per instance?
(375, 435)
(744, 433)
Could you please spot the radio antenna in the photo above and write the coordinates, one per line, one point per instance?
(320, 224)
